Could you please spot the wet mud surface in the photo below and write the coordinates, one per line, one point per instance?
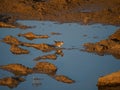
(81, 11)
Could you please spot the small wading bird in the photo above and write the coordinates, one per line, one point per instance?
(58, 43)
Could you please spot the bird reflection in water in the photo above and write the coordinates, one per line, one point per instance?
(36, 81)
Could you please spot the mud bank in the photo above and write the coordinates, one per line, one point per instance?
(109, 82)
(8, 21)
(110, 46)
(81, 11)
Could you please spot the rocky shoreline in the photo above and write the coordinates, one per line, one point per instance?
(80, 11)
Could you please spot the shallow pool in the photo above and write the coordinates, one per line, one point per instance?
(85, 68)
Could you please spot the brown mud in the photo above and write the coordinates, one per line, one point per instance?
(81, 11)
(31, 36)
(109, 82)
(110, 46)
(11, 82)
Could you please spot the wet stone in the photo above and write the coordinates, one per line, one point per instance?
(17, 50)
(17, 69)
(6, 25)
(11, 40)
(11, 82)
(110, 80)
(32, 36)
(45, 67)
(63, 78)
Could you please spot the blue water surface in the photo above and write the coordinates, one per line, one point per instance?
(85, 68)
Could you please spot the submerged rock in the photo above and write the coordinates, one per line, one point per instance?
(110, 80)
(50, 56)
(17, 69)
(55, 33)
(17, 50)
(108, 46)
(32, 36)
(11, 82)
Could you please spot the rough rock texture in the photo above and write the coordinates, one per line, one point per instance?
(32, 36)
(45, 67)
(63, 78)
(84, 11)
(11, 40)
(11, 82)
(108, 46)
(17, 50)
(17, 69)
(111, 80)
(44, 47)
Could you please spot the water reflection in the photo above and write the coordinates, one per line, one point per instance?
(83, 67)
(20, 70)
(109, 88)
(50, 56)
(36, 81)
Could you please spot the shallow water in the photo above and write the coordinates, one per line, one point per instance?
(85, 68)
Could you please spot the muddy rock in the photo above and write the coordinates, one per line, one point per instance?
(17, 50)
(45, 67)
(32, 36)
(108, 46)
(82, 11)
(44, 57)
(115, 36)
(17, 69)
(44, 47)
(11, 40)
(11, 82)
(111, 80)
(2, 24)
(64, 79)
